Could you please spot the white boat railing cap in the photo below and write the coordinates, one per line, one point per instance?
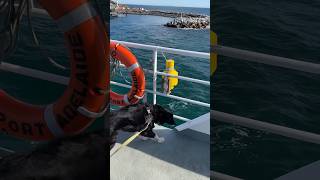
(277, 61)
(182, 52)
(274, 61)
(220, 176)
(293, 64)
(266, 127)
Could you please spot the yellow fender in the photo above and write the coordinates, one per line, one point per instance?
(170, 82)
(213, 56)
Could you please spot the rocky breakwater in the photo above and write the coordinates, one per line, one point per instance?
(181, 20)
(190, 23)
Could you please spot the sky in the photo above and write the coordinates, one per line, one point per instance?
(181, 3)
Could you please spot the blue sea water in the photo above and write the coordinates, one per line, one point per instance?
(284, 97)
(150, 30)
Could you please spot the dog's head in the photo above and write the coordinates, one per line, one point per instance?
(162, 116)
(134, 117)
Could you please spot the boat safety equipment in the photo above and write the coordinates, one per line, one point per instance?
(169, 82)
(84, 99)
(213, 55)
(125, 56)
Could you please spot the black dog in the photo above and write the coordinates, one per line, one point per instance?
(135, 118)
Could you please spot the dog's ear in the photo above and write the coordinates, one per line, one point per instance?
(163, 116)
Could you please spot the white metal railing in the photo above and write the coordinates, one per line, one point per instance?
(220, 176)
(6, 150)
(268, 127)
(274, 61)
(155, 49)
(267, 59)
(64, 80)
(155, 72)
(255, 124)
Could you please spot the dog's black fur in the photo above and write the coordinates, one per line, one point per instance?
(81, 157)
(134, 118)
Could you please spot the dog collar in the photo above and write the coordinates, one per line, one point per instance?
(148, 110)
(148, 117)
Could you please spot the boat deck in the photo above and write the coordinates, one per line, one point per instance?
(182, 156)
(308, 172)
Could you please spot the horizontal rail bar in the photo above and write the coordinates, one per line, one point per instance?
(267, 59)
(34, 73)
(165, 49)
(169, 96)
(185, 78)
(39, 11)
(179, 77)
(219, 176)
(181, 118)
(52, 77)
(64, 80)
(6, 150)
(267, 127)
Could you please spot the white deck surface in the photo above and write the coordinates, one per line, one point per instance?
(180, 157)
(200, 124)
(308, 172)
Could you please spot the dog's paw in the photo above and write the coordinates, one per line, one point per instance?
(143, 138)
(160, 139)
(156, 139)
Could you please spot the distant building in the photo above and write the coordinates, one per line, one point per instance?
(113, 6)
(116, 7)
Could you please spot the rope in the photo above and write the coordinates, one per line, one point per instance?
(10, 27)
(128, 141)
(115, 65)
(164, 55)
(37, 43)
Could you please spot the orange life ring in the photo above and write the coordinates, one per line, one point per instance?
(84, 99)
(125, 56)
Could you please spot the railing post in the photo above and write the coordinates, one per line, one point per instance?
(155, 64)
(145, 98)
(31, 4)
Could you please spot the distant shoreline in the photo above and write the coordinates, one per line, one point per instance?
(163, 13)
(168, 6)
(181, 20)
(141, 11)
